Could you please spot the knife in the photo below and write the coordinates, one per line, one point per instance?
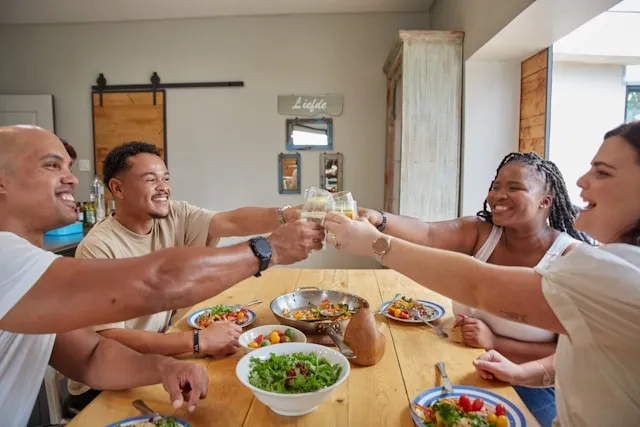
(446, 384)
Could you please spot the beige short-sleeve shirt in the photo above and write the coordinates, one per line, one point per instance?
(595, 293)
(186, 225)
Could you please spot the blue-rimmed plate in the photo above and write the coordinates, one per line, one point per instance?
(250, 317)
(430, 396)
(130, 422)
(438, 311)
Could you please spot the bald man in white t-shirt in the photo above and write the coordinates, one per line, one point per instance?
(47, 302)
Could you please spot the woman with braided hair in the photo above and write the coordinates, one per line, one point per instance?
(589, 296)
(527, 220)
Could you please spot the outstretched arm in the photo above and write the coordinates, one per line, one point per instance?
(514, 293)
(459, 235)
(249, 221)
(106, 291)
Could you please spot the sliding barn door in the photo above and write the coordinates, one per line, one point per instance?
(535, 103)
(120, 117)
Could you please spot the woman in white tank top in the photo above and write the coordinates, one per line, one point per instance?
(527, 220)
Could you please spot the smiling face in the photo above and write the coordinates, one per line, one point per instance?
(144, 187)
(611, 189)
(518, 197)
(37, 188)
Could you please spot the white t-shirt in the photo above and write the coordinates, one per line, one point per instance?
(595, 293)
(23, 357)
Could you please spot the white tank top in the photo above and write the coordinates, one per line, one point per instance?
(498, 325)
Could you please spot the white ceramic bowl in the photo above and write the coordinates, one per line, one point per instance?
(266, 330)
(293, 404)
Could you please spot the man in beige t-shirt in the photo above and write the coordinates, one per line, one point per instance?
(146, 220)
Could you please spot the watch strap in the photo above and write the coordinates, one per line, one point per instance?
(263, 259)
(196, 341)
(383, 224)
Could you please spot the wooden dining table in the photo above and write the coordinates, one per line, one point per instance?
(376, 395)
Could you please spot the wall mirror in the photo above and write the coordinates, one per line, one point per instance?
(309, 134)
(331, 165)
(289, 173)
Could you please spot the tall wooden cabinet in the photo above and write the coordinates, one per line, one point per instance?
(424, 119)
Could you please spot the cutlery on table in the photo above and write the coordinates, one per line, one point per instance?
(238, 307)
(146, 410)
(446, 384)
(438, 330)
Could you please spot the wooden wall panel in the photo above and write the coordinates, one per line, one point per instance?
(124, 117)
(534, 103)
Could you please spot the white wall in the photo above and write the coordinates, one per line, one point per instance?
(587, 100)
(491, 118)
(481, 20)
(223, 143)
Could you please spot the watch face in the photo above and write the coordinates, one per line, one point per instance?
(381, 245)
(262, 246)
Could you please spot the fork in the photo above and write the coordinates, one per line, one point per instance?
(438, 330)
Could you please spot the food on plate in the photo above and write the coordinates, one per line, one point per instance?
(221, 312)
(462, 412)
(274, 337)
(401, 307)
(154, 422)
(292, 373)
(338, 312)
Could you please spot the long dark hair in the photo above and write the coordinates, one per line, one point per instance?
(563, 213)
(630, 132)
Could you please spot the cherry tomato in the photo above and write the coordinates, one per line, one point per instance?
(404, 315)
(465, 402)
(502, 421)
(477, 405)
(500, 409)
(492, 418)
(259, 339)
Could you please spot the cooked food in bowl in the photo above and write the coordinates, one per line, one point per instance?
(293, 373)
(337, 312)
(401, 308)
(153, 422)
(462, 412)
(221, 312)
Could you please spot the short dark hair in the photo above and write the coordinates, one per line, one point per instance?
(70, 150)
(630, 132)
(116, 160)
(562, 214)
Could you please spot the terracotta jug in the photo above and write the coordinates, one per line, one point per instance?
(364, 338)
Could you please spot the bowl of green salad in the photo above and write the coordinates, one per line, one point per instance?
(292, 379)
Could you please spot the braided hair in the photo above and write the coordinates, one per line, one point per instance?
(563, 213)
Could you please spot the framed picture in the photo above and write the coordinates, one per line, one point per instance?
(289, 173)
(331, 168)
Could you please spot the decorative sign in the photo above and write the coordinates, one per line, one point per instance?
(310, 105)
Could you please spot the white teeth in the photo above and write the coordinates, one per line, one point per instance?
(160, 199)
(499, 208)
(67, 196)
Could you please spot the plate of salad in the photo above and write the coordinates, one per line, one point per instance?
(400, 309)
(208, 316)
(147, 421)
(466, 406)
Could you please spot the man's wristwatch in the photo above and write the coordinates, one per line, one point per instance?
(383, 224)
(281, 217)
(381, 247)
(262, 250)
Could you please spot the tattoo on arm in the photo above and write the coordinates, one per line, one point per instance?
(516, 317)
